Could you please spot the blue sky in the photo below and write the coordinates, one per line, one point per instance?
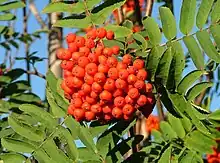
(40, 45)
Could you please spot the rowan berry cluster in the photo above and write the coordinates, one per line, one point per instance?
(215, 157)
(97, 84)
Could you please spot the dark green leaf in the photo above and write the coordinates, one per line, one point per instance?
(177, 66)
(191, 157)
(215, 33)
(153, 31)
(193, 92)
(195, 51)
(215, 14)
(17, 145)
(187, 16)
(207, 45)
(188, 80)
(164, 67)
(153, 60)
(176, 126)
(111, 43)
(4, 106)
(128, 24)
(203, 13)
(168, 23)
(103, 144)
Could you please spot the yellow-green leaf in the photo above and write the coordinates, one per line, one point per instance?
(195, 51)
(215, 33)
(203, 13)
(153, 31)
(187, 16)
(168, 23)
(215, 14)
(207, 45)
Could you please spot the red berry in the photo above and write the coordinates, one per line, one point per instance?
(109, 85)
(66, 88)
(121, 65)
(90, 43)
(142, 100)
(112, 62)
(90, 100)
(118, 92)
(86, 106)
(89, 116)
(101, 32)
(76, 102)
(60, 53)
(120, 84)
(93, 58)
(113, 73)
(106, 109)
(70, 110)
(83, 61)
(108, 117)
(96, 87)
(133, 93)
(88, 79)
(142, 74)
(86, 88)
(72, 47)
(96, 109)
(79, 114)
(102, 59)
(116, 50)
(105, 95)
(131, 79)
(127, 59)
(117, 112)
(128, 109)
(103, 68)
(80, 41)
(91, 69)
(119, 101)
(138, 63)
(110, 35)
(132, 70)
(99, 77)
(149, 87)
(70, 38)
(139, 84)
(123, 74)
(107, 52)
(85, 50)
(78, 71)
(76, 56)
(67, 65)
(99, 50)
(129, 100)
(91, 34)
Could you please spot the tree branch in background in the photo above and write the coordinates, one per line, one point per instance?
(149, 7)
(120, 16)
(160, 109)
(138, 12)
(35, 12)
(25, 31)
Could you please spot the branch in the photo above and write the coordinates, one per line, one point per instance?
(149, 7)
(35, 12)
(138, 12)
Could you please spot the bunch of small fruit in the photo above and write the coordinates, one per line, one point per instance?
(98, 85)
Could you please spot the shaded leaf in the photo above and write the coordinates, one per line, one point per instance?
(140, 40)
(164, 67)
(215, 115)
(187, 16)
(191, 157)
(6, 132)
(188, 80)
(193, 92)
(195, 51)
(177, 66)
(86, 155)
(168, 23)
(186, 124)
(153, 60)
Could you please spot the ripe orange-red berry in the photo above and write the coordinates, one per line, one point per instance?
(96, 108)
(79, 114)
(110, 35)
(113, 73)
(86, 88)
(83, 61)
(101, 32)
(103, 68)
(80, 41)
(96, 87)
(139, 84)
(67, 65)
(91, 34)
(109, 85)
(118, 92)
(89, 115)
(90, 43)
(127, 59)
(70, 38)
(131, 79)
(112, 62)
(86, 106)
(121, 65)
(76, 102)
(91, 69)
(142, 74)
(106, 109)
(120, 84)
(93, 58)
(117, 112)
(123, 74)
(133, 93)
(88, 79)
(78, 71)
(138, 63)
(85, 50)
(149, 87)
(142, 100)
(119, 101)
(105, 95)
(116, 50)
(128, 109)
(107, 52)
